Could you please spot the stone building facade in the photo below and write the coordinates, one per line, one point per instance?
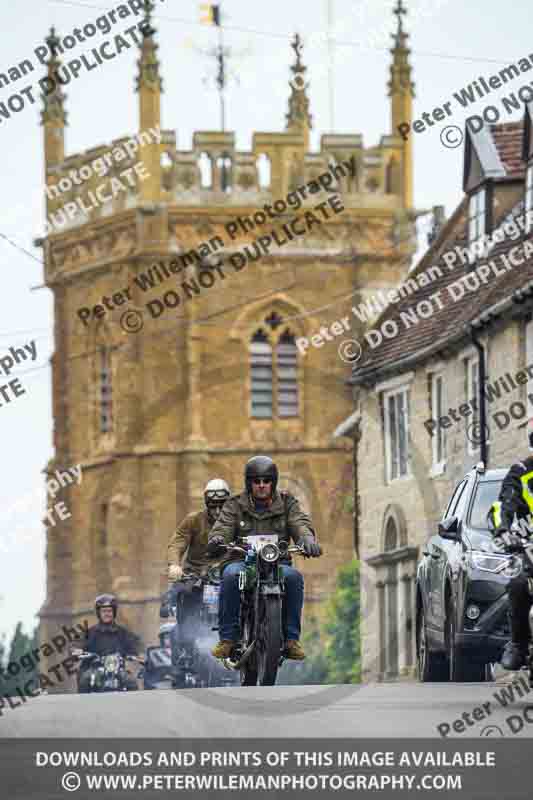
(215, 377)
(416, 424)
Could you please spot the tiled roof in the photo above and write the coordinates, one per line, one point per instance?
(447, 322)
(508, 140)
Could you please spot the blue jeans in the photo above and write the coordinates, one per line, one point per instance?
(230, 601)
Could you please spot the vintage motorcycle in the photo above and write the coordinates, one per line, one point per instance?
(195, 624)
(261, 650)
(158, 670)
(107, 673)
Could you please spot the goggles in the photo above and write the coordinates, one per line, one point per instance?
(259, 481)
(216, 494)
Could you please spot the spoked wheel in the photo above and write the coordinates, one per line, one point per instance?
(249, 670)
(430, 666)
(269, 642)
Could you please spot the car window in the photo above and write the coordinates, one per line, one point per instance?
(486, 493)
(463, 500)
(455, 499)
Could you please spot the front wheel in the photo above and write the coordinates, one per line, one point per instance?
(430, 666)
(461, 670)
(269, 640)
(249, 669)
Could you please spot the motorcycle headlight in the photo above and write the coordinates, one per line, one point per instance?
(489, 562)
(269, 553)
(111, 663)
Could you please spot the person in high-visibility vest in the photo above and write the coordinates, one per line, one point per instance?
(516, 500)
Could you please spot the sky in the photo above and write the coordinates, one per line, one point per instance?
(452, 43)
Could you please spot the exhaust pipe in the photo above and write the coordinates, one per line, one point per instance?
(229, 664)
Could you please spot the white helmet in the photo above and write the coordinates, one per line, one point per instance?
(216, 493)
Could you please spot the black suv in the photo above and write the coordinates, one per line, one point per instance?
(461, 602)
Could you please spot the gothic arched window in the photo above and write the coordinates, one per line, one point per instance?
(261, 376)
(274, 371)
(287, 374)
(391, 535)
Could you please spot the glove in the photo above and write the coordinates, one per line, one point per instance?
(310, 546)
(174, 572)
(214, 545)
(512, 542)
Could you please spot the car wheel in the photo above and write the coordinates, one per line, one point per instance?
(461, 670)
(430, 666)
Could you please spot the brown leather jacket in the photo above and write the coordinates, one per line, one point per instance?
(188, 545)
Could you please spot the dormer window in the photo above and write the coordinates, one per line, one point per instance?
(477, 221)
(528, 198)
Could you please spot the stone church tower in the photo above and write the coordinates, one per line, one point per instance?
(216, 376)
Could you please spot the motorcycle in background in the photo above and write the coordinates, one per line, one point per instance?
(158, 671)
(194, 634)
(107, 673)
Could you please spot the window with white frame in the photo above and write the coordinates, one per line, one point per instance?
(528, 205)
(472, 394)
(438, 402)
(396, 413)
(476, 217)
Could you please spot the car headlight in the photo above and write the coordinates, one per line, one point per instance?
(489, 562)
(269, 553)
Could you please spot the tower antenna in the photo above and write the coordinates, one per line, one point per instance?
(213, 17)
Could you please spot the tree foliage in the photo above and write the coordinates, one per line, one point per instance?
(332, 645)
(19, 653)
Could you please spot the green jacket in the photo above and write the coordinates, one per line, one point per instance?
(239, 518)
(188, 545)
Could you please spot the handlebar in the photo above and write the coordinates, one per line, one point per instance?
(233, 546)
(82, 655)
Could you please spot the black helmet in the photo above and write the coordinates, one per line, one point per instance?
(105, 600)
(260, 467)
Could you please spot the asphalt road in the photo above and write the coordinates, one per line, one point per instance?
(403, 710)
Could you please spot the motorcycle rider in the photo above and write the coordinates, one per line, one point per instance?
(157, 659)
(516, 498)
(261, 509)
(188, 558)
(105, 638)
